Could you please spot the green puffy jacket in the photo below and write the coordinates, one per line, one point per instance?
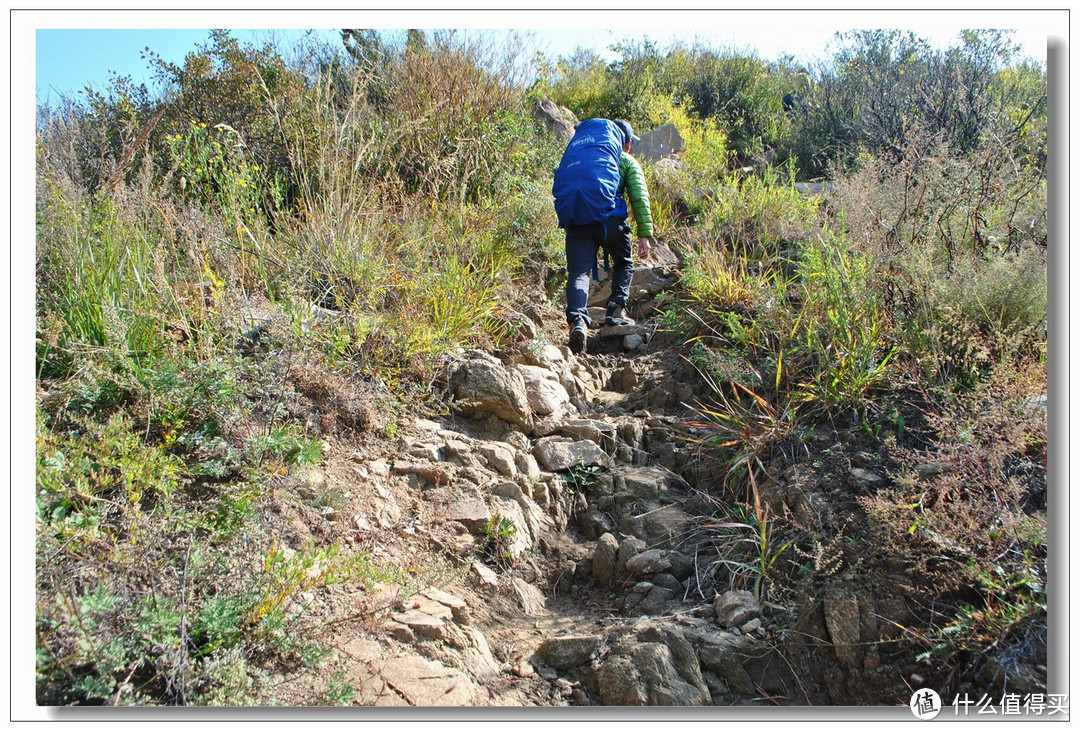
(632, 182)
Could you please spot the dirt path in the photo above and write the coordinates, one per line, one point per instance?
(475, 639)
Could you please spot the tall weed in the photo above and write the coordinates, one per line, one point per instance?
(97, 288)
(845, 328)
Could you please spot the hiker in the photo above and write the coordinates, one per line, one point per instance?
(595, 172)
(792, 103)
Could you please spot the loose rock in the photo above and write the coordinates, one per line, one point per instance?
(736, 607)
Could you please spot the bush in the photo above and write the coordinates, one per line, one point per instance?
(583, 84)
(760, 217)
(986, 498)
(846, 332)
(999, 297)
(883, 90)
(962, 276)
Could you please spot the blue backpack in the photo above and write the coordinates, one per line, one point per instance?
(586, 185)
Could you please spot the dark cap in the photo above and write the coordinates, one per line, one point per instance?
(627, 130)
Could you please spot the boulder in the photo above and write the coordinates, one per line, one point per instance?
(380, 500)
(864, 479)
(653, 667)
(501, 457)
(466, 504)
(645, 482)
(522, 539)
(600, 432)
(736, 607)
(415, 682)
(648, 281)
(565, 653)
(1034, 406)
(557, 120)
(486, 576)
(528, 597)
(719, 656)
(527, 466)
(630, 547)
(457, 606)
(545, 394)
(668, 581)
(660, 526)
(652, 561)
(604, 558)
(842, 621)
(815, 188)
(423, 617)
(559, 455)
(654, 602)
(480, 388)
(662, 142)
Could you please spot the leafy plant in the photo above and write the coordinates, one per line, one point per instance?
(1012, 616)
(745, 427)
(583, 476)
(288, 445)
(339, 691)
(288, 577)
(749, 545)
(498, 540)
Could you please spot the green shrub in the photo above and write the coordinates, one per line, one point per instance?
(99, 286)
(583, 84)
(229, 85)
(884, 89)
(960, 276)
(79, 476)
(759, 217)
(498, 543)
(1004, 295)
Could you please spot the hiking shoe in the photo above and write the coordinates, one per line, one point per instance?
(618, 316)
(577, 337)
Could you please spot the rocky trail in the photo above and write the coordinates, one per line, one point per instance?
(572, 523)
(585, 598)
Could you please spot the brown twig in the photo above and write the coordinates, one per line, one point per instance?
(129, 150)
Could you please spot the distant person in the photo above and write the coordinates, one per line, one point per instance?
(595, 172)
(793, 103)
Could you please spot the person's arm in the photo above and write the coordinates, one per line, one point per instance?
(638, 193)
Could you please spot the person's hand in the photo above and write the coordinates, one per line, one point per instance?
(644, 246)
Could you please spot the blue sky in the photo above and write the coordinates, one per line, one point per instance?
(76, 48)
(69, 59)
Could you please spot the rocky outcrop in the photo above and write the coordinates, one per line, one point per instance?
(557, 120)
(662, 142)
(654, 666)
(559, 454)
(567, 653)
(545, 393)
